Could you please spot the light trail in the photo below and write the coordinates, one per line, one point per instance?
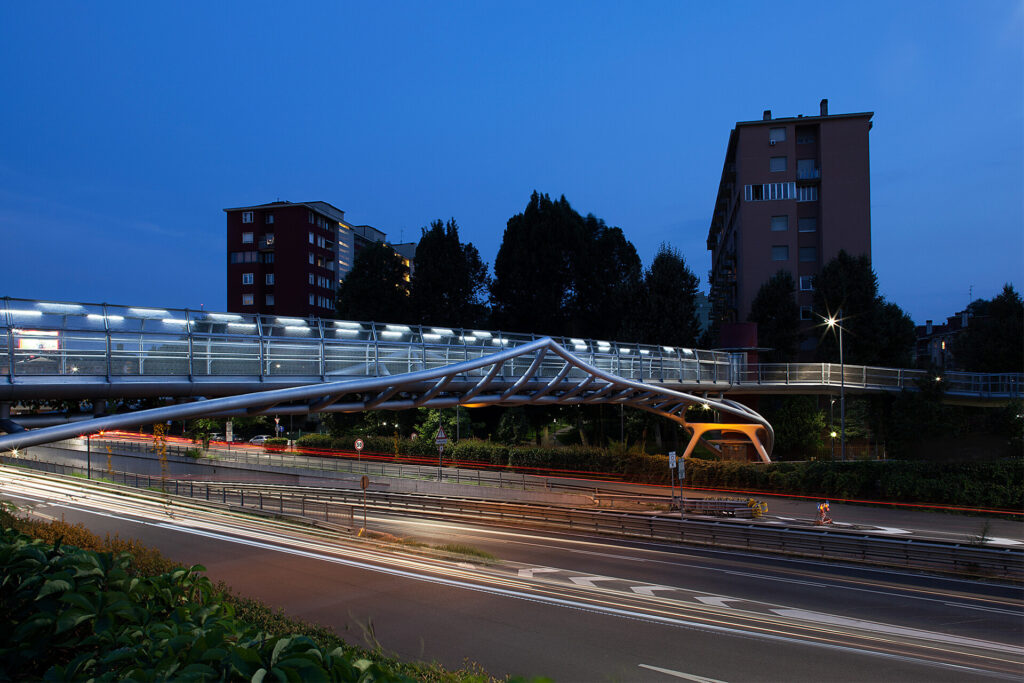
(797, 627)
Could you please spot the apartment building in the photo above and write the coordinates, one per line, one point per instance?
(794, 191)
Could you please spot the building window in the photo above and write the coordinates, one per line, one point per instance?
(757, 193)
(806, 283)
(246, 278)
(776, 135)
(243, 257)
(780, 223)
(807, 169)
(246, 238)
(776, 164)
(806, 313)
(311, 238)
(808, 254)
(267, 257)
(311, 258)
(780, 252)
(808, 224)
(312, 220)
(805, 137)
(247, 216)
(269, 219)
(269, 299)
(807, 194)
(247, 299)
(269, 278)
(311, 278)
(312, 298)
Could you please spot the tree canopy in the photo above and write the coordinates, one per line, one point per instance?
(994, 338)
(777, 315)
(450, 281)
(377, 287)
(875, 332)
(664, 309)
(561, 274)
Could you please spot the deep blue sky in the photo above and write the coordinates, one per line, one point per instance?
(126, 127)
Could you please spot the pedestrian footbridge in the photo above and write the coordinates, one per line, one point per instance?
(222, 363)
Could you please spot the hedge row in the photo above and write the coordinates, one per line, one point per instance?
(972, 484)
(998, 484)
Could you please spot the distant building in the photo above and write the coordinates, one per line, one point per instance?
(793, 193)
(289, 258)
(934, 346)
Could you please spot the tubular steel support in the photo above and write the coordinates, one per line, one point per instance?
(429, 383)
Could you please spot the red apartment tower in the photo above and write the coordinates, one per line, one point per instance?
(793, 193)
(284, 257)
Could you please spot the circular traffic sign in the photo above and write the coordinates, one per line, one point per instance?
(359, 444)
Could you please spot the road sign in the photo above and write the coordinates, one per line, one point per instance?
(441, 437)
(229, 431)
(359, 444)
(671, 460)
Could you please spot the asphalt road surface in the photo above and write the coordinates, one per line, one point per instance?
(583, 609)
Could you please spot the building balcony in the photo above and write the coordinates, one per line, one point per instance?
(266, 244)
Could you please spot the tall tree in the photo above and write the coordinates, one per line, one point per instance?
(665, 305)
(450, 281)
(561, 274)
(607, 272)
(994, 338)
(377, 287)
(875, 332)
(777, 315)
(533, 271)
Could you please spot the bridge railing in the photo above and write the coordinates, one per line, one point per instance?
(875, 378)
(41, 338)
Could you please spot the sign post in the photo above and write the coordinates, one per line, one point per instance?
(441, 439)
(229, 432)
(359, 449)
(364, 483)
(682, 476)
(672, 478)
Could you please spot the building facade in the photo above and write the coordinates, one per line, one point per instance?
(793, 193)
(287, 258)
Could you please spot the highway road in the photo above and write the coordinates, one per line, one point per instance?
(892, 521)
(583, 609)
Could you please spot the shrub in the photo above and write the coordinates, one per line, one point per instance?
(275, 444)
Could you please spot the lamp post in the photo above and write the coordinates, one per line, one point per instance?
(833, 322)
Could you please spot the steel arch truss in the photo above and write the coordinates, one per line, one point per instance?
(538, 373)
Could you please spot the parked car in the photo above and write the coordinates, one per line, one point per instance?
(258, 440)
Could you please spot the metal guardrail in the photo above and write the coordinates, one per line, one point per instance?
(832, 544)
(498, 478)
(61, 344)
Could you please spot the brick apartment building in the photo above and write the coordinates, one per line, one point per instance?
(793, 193)
(288, 258)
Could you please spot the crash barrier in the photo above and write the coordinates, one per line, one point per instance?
(727, 507)
(966, 559)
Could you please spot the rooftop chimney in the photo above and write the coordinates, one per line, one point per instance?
(928, 328)
(767, 115)
(824, 107)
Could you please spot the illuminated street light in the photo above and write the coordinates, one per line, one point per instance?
(833, 323)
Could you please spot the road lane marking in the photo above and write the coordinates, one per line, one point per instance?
(719, 601)
(680, 674)
(529, 573)
(876, 627)
(649, 590)
(588, 581)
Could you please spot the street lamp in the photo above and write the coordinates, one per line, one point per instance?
(833, 322)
